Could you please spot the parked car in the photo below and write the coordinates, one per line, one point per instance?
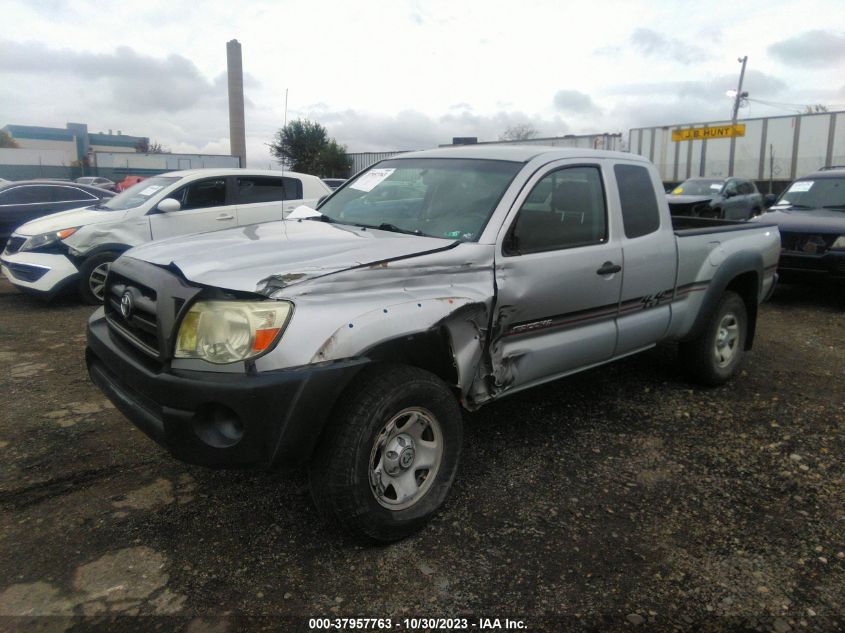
(74, 249)
(334, 183)
(25, 200)
(811, 217)
(350, 344)
(725, 198)
(98, 181)
(128, 181)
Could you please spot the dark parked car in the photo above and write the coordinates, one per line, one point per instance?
(97, 181)
(811, 217)
(725, 198)
(25, 200)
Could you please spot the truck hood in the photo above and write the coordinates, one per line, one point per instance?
(266, 257)
(67, 219)
(807, 220)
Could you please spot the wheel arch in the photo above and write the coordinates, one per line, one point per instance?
(741, 273)
(430, 350)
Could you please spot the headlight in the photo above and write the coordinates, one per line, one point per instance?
(839, 243)
(228, 331)
(46, 239)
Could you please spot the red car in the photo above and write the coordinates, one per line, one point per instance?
(127, 182)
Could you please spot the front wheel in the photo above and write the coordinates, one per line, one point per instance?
(714, 357)
(92, 277)
(387, 460)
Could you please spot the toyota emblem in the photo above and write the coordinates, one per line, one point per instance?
(126, 305)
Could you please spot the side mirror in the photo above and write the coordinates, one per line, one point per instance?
(769, 199)
(169, 205)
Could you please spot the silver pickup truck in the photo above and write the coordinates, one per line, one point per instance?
(349, 337)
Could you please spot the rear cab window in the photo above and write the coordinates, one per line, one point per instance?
(640, 213)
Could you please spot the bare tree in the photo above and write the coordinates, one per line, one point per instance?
(145, 147)
(818, 107)
(519, 132)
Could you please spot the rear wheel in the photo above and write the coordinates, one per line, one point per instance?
(386, 462)
(92, 277)
(715, 356)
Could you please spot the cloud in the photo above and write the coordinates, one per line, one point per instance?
(756, 82)
(409, 129)
(136, 83)
(574, 101)
(670, 102)
(817, 47)
(652, 43)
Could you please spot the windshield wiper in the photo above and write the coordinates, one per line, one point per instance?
(320, 218)
(386, 226)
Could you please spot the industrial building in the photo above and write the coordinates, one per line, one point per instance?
(47, 152)
(361, 160)
(74, 141)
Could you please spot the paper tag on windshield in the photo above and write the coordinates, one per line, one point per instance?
(150, 190)
(716, 186)
(368, 181)
(804, 185)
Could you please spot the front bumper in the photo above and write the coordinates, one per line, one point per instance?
(218, 419)
(44, 274)
(794, 264)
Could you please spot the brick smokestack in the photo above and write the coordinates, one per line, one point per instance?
(237, 131)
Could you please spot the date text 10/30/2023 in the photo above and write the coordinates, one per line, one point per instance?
(413, 624)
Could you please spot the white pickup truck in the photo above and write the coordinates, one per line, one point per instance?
(74, 249)
(349, 337)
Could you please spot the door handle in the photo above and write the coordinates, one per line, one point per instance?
(225, 216)
(608, 268)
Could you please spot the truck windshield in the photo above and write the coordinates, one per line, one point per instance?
(698, 187)
(823, 193)
(137, 194)
(438, 197)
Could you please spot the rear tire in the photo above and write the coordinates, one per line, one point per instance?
(92, 277)
(714, 357)
(386, 462)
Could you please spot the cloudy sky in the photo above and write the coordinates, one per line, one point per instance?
(409, 74)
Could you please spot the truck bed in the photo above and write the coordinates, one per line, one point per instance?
(687, 226)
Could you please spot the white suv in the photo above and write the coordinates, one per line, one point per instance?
(76, 247)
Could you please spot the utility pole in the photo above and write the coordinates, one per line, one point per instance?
(737, 99)
(739, 93)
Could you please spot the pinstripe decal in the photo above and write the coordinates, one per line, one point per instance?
(610, 311)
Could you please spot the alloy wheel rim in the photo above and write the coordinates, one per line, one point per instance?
(727, 340)
(97, 280)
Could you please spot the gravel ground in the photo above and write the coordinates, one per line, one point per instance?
(623, 498)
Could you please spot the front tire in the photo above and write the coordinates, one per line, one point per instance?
(92, 277)
(714, 357)
(387, 460)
